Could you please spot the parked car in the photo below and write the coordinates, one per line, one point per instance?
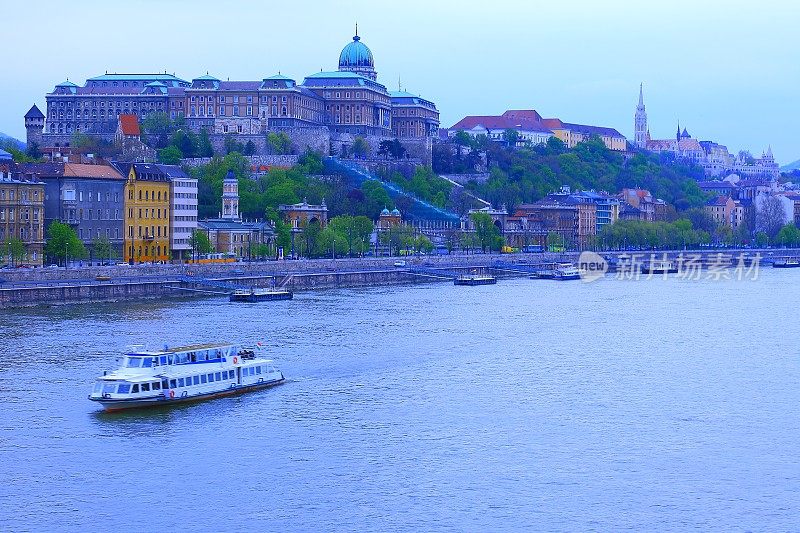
(400, 263)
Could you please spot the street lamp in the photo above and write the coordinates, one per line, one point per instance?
(333, 251)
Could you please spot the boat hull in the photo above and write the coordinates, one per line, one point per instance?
(163, 401)
(567, 277)
(670, 270)
(785, 265)
(475, 281)
(261, 296)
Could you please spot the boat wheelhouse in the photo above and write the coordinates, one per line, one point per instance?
(188, 373)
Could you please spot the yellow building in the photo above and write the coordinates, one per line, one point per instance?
(147, 213)
(572, 134)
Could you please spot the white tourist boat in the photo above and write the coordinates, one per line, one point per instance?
(188, 373)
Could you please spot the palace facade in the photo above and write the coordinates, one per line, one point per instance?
(347, 100)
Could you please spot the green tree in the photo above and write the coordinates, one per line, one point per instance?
(171, 155)
(310, 235)
(279, 142)
(488, 234)
(423, 244)
(788, 236)
(232, 145)
(249, 148)
(63, 243)
(102, 248)
(354, 231)
(33, 151)
(555, 242)
(185, 141)
(14, 250)
(511, 137)
(360, 147)
(200, 243)
(156, 129)
(204, 147)
(762, 239)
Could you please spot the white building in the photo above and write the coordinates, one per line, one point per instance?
(184, 210)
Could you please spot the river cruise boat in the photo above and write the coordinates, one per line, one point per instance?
(566, 272)
(786, 262)
(188, 373)
(472, 280)
(559, 271)
(659, 267)
(260, 295)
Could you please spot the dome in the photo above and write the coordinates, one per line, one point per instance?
(395, 212)
(356, 54)
(385, 212)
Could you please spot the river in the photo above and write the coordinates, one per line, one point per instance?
(529, 405)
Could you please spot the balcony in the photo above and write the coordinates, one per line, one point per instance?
(148, 237)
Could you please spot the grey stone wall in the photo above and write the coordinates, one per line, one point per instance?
(465, 178)
(255, 160)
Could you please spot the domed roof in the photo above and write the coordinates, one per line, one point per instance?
(384, 212)
(356, 54)
(396, 212)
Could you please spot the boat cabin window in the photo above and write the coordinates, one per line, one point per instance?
(211, 378)
(124, 388)
(196, 380)
(135, 388)
(170, 359)
(98, 387)
(156, 385)
(145, 387)
(163, 359)
(258, 370)
(219, 377)
(173, 383)
(164, 384)
(109, 388)
(133, 362)
(180, 382)
(203, 379)
(147, 362)
(231, 374)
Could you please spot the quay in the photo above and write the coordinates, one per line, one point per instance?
(48, 286)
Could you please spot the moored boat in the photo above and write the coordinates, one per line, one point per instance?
(786, 262)
(184, 374)
(659, 267)
(558, 271)
(475, 280)
(566, 272)
(260, 295)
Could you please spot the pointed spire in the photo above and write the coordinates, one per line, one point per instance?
(769, 151)
(641, 96)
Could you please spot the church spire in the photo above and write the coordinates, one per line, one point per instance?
(640, 121)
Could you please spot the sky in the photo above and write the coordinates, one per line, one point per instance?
(727, 70)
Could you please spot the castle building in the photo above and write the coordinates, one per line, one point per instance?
(21, 214)
(349, 100)
(532, 128)
(713, 157)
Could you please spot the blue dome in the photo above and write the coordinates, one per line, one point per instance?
(356, 54)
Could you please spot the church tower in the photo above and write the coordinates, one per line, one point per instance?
(230, 197)
(640, 122)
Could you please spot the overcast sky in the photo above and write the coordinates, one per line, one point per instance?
(728, 70)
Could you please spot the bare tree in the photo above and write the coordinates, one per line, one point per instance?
(770, 216)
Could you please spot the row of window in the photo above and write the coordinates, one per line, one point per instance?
(87, 234)
(70, 194)
(24, 215)
(23, 194)
(70, 214)
(151, 213)
(22, 232)
(151, 234)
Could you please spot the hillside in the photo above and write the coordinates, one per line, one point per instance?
(791, 166)
(524, 175)
(7, 140)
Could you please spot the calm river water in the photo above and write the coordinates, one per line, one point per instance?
(529, 405)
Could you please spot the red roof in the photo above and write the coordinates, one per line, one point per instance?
(515, 120)
(129, 125)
